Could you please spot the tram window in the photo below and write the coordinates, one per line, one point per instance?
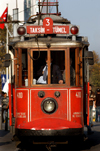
(57, 66)
(21, 67)
(76, 67)
(39, 63)
(17, 74)
(72, 67)
(24, 68)
(40, 68)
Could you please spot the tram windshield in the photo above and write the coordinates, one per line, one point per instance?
(48, 69)
(45, 67)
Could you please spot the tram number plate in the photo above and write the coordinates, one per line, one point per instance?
(19, 95)
(78, 94)
(21, 115)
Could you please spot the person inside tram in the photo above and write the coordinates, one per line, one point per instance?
(56, 76)
(72, 74)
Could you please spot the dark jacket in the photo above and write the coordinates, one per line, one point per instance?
(55, 73)
(5, 102)
(91, 99)
(98, 100)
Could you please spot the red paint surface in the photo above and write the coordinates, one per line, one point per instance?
(76, 104)
(49, 124)
(21, 106)
(30, 115)
(47, 22)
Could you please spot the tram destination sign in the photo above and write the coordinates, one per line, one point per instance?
(44, 30)
(48, 28)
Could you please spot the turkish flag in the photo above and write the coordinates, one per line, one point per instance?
(3, 18)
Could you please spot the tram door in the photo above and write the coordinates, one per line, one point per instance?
(88, 59)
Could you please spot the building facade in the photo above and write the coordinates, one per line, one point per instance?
(27, 9)
(35, 8)
(31, 8)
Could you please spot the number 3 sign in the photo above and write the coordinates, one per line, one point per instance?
(48, 24)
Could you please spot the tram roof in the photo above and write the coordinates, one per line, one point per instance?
(55, 18)
(52, 41)
(58, 39)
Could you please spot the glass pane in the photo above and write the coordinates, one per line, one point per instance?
(17, 74)
(17, 69)
(39, 66)
(57, 66)
(72, 67)
(24, 68)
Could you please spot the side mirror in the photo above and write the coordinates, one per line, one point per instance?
(89, 55)
(7, 60)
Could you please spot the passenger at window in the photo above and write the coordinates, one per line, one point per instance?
(72, 74)
(56, 76)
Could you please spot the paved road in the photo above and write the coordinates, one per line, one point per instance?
(5, 141)
(93, 141)
(91, 144)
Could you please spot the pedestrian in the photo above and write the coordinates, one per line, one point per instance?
(91, 99)
(5, 105)
(1, 95)
(97, 105)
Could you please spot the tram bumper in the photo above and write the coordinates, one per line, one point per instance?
(50, 127)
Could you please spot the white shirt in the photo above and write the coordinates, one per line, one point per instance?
(40, 79)
(45, 68)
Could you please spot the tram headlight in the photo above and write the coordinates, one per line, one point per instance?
(74, 30)
(49, 105)
(21, 30)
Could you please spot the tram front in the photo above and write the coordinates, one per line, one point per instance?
(49, 72)
(49, 92)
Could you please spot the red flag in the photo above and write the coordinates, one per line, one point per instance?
(4, 18)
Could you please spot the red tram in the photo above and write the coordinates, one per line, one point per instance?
(49, 110)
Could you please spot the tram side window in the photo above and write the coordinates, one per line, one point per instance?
(17, 74)
(72, 67)
(24, 68)
(75, 67)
